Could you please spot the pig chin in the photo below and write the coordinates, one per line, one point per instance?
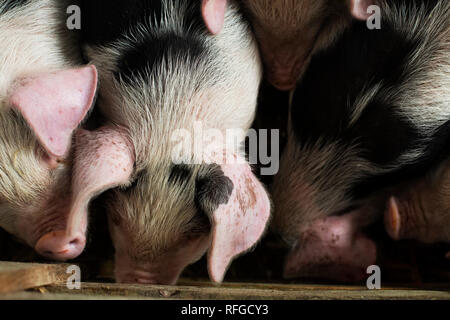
(147, 273)
(284, 64)
(163, 270)
(284, 76)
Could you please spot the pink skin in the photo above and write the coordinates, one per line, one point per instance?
(103, 160)
(45, 228)
(240, 223)
(63, 99)
(45, 231)
(54, 105)
(332, 248)
(213, 12)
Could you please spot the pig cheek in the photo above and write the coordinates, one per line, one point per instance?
(184, 256)
(118, 237)
(197, 248)
(25, 228)
(331, 249)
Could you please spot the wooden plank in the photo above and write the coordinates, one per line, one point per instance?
(20, 276)
(236, 293)
(312, 286)
(26, 295)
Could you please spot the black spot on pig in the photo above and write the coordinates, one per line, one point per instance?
(105, 21)
(142, 58)
(7, 5)
(212, 189)
(324, 102)
(436, 151)
(383, 135)
(180, 174)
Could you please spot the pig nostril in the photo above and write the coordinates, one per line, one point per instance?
(56, 245)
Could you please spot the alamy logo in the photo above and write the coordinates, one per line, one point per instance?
(208, 145)
(374, 281)
(74, 280)
(74, 20)
(374, 20)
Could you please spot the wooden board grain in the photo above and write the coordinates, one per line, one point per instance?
(251, 292)
(20, 276)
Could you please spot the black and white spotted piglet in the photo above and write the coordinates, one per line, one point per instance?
(372, 112)
(163, 72)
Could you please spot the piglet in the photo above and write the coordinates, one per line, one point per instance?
(165, 77)
(44, 96)
(290, 32)
(371, 112)
(421, 210)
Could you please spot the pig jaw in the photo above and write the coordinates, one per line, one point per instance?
(164, 269)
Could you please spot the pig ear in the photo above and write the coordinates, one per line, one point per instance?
(55, 104)
(213, 12)
(104, 159)
(392, 219)
(358, 8)
(239, 210)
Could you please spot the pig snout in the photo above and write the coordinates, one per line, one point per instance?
(146, 273)
(284, 61)
(283, 71)
(331, 248)
(58, 245)
(147, 277)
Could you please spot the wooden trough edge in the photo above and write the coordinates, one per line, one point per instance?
(15, 276)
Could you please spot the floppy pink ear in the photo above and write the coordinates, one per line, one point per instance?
(213, 12)
(238, 224)
(54, 105)
(358, 8)
(104, 159)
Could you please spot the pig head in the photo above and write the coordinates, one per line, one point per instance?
(167, 216)
(421, 210)
(289, 32)
(38, 117)
(171, 214)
